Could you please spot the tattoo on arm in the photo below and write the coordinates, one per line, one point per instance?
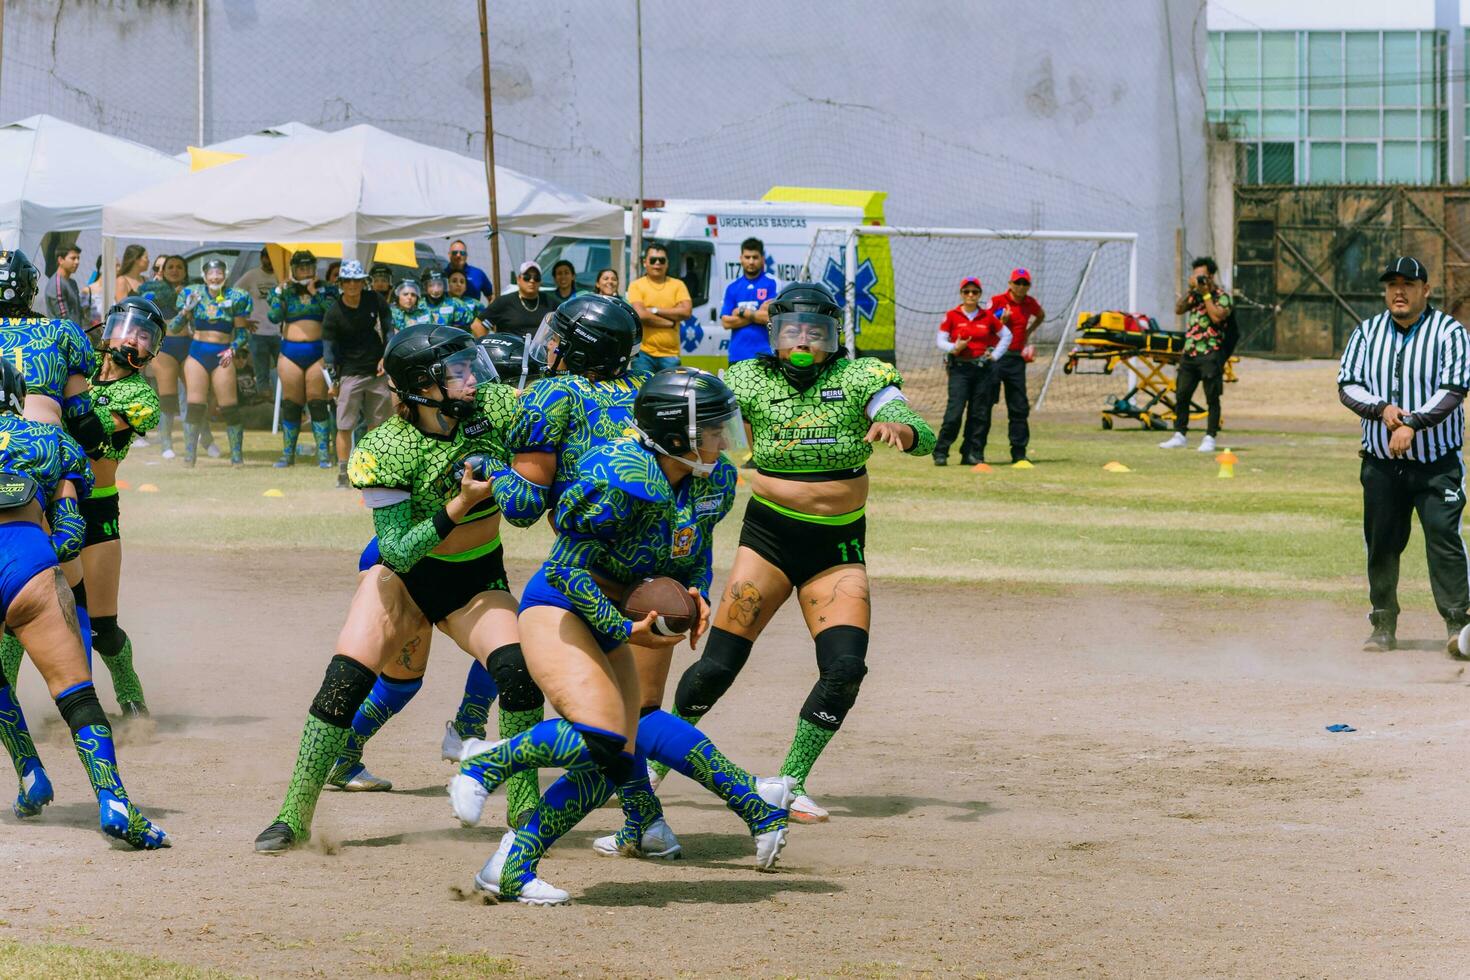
(745, 602)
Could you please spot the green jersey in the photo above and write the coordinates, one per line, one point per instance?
(407, 476)
(135, 401)
(821, 430)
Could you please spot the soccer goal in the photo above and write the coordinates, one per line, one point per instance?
(895, 285)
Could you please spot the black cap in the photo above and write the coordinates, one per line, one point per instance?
(1407, 267)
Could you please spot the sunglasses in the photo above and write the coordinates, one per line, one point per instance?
(458, 251)
(657, 261)
(532, 277)
(969, 292)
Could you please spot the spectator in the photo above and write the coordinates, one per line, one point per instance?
(457, 283)
(744, 309)
(63, 298)
(443, 308)
(131, 271)
(522, 311)
(408, 307)
(381, 278)
(334, 269)
(971, 338)
(1207, 307)
(564, 277)
(477, 284)
(1023, 314)
(265, 337)
(356, 329)
(607, 282)
(158, 267)
(663, 303)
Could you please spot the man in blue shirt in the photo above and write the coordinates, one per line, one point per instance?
(744, 309)
(476, 283)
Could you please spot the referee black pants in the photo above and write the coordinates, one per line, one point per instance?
(1192, 371)
(1393, 490)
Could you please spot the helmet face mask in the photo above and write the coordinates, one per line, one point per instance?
(690, 416)
(804, 330)
(434, 284)
(214, 273)
(438, 367)
(133, 332)
(404, 288)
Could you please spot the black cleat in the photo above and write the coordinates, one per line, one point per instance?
(274, 839)
(941, 459)
(1382, 639)
(973, 460)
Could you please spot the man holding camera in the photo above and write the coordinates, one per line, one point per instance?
(1207, 309)
(971, 339)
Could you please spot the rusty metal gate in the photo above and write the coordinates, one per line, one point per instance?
(1307, 259)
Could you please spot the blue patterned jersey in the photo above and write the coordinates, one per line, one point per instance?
(46, 454)
(290, 303)
(449, 312)
(215, 311)
(623, 520)
(410, 318)
(570, 415)
(46, 352)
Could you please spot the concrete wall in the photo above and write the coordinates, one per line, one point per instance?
(1051, 115)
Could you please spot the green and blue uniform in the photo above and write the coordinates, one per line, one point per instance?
(290, 303)
(450, 312)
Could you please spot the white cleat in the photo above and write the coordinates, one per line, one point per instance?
(213, 450)
(775, 790)
(140, 443)
(471, 747)
(804, 809)
(1207, 444)
(658, 842)
(452, 745)
(534, 892)
(467, 799)
(366, 782)
(169, 454)
(1176, 441)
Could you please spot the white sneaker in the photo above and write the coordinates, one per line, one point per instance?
(1207, 444)
(658, 842)
(471, 747)
(213, 450)
(452, 745)
(1176, 441)
(467, 798)
(169, 454)
(139, 442)
(775, 790)
(366, 782)
(534, 892)
(804, 809)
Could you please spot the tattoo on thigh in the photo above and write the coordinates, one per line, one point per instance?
(406, 655)
(853, 585)
(68, 604)
(745, 602)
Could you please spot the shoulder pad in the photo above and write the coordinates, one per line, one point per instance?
(386, 457)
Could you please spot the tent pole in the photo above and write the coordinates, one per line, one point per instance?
(2, 40)
(635, 260)
(107, 275)
(199, 59)
(490, 151)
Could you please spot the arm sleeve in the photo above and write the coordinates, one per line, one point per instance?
(942, 341)
(1003, 342)
(275, 311)
(1360, 401)
(521, 501)
(1352, 386)
(1445, 401)
(898, 410)
(67, 528)
(403, 541)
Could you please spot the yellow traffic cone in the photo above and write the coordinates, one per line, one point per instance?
(1227, 463)
(273, 493)
(1116, 467)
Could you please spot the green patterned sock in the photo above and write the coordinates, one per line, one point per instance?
(125, 682)
(11, 653)
(321, 743)
(661, 768)
(523, 790)
(808, 744)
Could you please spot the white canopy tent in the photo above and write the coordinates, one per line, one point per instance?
(356, 186)
(267, 140)
(56, 176)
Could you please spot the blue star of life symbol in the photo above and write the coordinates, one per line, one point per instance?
(770, 266)
(836, 280)
(691, 333)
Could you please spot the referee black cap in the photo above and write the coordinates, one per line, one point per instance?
(1409, 268)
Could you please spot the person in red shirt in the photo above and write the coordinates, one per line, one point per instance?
(1022, 315)
(971, 339)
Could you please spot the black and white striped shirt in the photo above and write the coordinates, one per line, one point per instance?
(1424, 370)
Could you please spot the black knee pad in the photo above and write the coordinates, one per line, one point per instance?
(81, 708)
(317, 407)
(709, 677)
(230, 413)
(79, 593)
(842, 653)
(194, 413)
(607, 753)
(507, 665)
(168, 404)
(290, 411)
(107, 637)
(344, 688)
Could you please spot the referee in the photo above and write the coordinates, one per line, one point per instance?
(1405, 371)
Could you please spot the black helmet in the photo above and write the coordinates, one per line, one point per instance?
(432, 276)
(431, 355)
(677, 409)
(593, 333)
(803, 314)
(303, 256)
(12, 389)
(18, 280)
(133, 332)
(214, 264)
(381, 269)
(510, 354)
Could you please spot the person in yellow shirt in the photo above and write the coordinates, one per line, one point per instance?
(662, 303)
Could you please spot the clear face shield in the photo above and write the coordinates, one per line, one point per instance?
(462, 373)
(434, 287)
(542, 347)
(802, 334)
(131, 335)
(214, 275)
(713, 437)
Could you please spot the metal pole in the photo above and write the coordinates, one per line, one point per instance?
(1133, 276)
(1068, 319)
(199, 59)
(490, 151)
(849, 290)
(637, 256)
(2, 39)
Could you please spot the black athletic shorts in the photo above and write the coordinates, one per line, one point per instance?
(803, 547)
(439, 586)
(101, 515)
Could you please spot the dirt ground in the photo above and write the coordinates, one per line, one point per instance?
(1073, 784)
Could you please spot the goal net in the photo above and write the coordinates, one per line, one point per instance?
(896, 284)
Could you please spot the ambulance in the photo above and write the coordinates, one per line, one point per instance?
(703, 238)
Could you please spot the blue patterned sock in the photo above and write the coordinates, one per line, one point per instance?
(577, 793)
(554, 744)
(386, 699)
(35, 787)
(684, 748)
(93, 740)
(84, 626)
(474, 707)
(640, 806)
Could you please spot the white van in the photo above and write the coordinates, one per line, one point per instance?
(703, 238)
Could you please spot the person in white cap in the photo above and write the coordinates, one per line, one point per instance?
(355, 330)
(522, 311)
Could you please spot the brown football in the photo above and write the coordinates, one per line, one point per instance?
(677, 611)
